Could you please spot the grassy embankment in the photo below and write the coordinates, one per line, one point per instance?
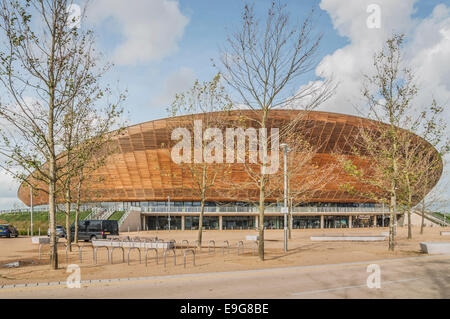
(40, 220)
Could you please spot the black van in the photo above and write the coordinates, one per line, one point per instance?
(95, 229)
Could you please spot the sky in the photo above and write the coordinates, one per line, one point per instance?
(160, 47)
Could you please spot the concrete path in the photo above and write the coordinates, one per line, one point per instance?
(416, 277)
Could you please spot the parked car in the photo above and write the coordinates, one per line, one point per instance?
(89, 230)
(8, 231)
(60, 231)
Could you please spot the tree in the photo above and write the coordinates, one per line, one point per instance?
(46, 61)
(262, 63)
(306, 177)
(388, 143)
(86, 143)
(421, 162)
(203, 107)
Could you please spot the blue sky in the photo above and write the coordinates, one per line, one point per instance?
(161, 46)
(208, 26)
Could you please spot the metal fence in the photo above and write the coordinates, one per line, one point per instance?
(246, 209)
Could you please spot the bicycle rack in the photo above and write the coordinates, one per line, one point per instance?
(146, 255)
(95, 253)
(130, 249)
(81, 252)
(223, 247)
(123, 253)
(240, 244)
(40, 248)
(193, 254)
(185, 241)
(67, 257)
(255, 245)
(174, 257)
(196, 244)
(209, 246)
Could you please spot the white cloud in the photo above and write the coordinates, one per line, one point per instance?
(176, 82)
(150, 29)
(8, 192)
(426, 50)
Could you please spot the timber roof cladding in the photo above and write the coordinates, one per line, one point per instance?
(143, 171)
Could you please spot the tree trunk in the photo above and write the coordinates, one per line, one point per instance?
(261, 223)
(69, 242)
(409, 224)
(423, 216)
(409, 209)
(52, 217)
(77, 209)
(77, 216)
(262, 196)
(391, 224)
(200, 222)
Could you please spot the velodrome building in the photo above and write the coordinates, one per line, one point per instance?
(142, 179)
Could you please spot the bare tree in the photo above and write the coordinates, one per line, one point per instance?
(204, 107)
(306, 178)
(421, 162)
(388, 143)
(86, 143)
(262, 62)
(46, 60)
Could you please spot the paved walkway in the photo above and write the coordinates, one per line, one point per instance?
(416, 277)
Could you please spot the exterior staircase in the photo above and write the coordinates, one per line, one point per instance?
(99, 213)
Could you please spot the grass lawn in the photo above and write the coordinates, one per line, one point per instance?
(116, 215)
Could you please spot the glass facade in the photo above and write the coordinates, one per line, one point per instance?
(162, 222)
(273, 222)
(362, 221)
(303, 222)
(209, 222)
(238, 222)
(335, 222)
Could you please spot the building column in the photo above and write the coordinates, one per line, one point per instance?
(220, 222)
(322, 221)
(350, 221)
(374, 220)
(256, 222)
(182, 222)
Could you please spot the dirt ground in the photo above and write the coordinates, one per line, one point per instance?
(302, 252)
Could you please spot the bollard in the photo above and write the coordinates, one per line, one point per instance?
(128, 228)
(39, 231)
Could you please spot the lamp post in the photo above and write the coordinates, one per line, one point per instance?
(285, 148)
(168, 210)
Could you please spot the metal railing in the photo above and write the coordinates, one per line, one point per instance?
(124, 216)
(246, 209)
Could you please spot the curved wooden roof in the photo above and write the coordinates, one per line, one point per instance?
(142, 169)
